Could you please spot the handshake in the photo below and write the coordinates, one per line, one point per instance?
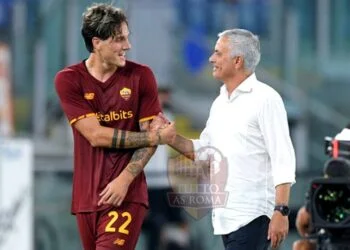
(162, 131)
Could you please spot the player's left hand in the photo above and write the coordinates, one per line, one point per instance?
(278, 229)
(115, 192)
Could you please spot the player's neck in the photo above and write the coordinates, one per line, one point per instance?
(98, 69)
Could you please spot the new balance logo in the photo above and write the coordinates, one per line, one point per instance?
(119, 242)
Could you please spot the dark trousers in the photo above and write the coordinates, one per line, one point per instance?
(160, 214)
(252, 236)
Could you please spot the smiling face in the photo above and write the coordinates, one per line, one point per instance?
(112, 51)
(224, 65)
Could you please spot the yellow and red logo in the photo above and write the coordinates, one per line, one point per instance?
(119, 242)
(125, 93)
(89, 96)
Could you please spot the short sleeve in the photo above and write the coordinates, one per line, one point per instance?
(149, 103)
(71, 96)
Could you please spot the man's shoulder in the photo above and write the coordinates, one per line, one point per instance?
(135, 67)
(69, 77)
(71, 70)
(266, 91)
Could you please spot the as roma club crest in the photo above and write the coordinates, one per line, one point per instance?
(125, 93)
(198, 186)
(89, 96)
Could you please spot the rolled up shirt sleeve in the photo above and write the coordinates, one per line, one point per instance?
(274, 127)
(201, 143)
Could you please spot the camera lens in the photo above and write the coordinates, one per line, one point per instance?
(332, 202)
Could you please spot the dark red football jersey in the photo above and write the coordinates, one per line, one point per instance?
(126, 98)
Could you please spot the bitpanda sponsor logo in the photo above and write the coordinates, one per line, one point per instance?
(114, 116)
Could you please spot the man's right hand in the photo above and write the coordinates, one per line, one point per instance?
(167, 135)
(160, 121)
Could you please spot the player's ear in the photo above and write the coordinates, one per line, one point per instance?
(96, 43)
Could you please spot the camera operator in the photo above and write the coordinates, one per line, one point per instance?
(303, 220)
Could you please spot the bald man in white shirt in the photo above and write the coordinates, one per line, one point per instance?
(248, 124)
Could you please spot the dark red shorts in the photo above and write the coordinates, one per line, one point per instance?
(112, 229)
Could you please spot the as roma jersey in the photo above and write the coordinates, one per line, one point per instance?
(126, 98)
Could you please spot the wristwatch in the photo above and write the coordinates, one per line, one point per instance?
(284, 210)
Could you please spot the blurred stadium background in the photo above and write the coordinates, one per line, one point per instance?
(305, 56)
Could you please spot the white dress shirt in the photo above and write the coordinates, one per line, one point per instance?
(250, 128)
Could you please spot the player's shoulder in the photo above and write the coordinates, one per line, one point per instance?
(69, 77)
(137, 68)
(70, 71)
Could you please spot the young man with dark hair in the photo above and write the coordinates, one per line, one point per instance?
(110, 103)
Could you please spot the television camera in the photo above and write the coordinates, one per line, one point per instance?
(330, 198)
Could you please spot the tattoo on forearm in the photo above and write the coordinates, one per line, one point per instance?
(142, 155)
(122, 139)
(138, 139)
(139, 160)
(115, 138)
(134, 169)
(139, 154)
(127, 139)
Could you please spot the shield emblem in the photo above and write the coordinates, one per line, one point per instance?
(198, 186)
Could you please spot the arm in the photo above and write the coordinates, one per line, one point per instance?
(80, 115)
(279, 224)
(189, 147)
(139, 159)
(273, 122)
(116, 190)
(282, 194)
(100, 136)
(183, 146)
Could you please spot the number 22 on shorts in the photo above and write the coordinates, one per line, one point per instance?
(123, 227)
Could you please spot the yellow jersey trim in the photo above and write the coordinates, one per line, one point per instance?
(147, 118)
(81, 117)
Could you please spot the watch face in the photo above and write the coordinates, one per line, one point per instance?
(283, 209)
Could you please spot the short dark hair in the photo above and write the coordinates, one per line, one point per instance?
(101, 20)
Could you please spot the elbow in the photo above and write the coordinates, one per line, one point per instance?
(94, 139)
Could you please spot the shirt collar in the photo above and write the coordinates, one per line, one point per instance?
(246, 86)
